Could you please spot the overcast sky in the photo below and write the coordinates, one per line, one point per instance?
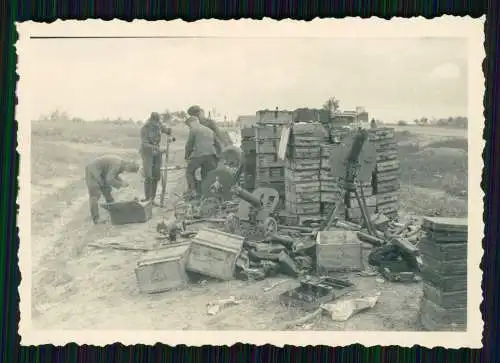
(128, 78)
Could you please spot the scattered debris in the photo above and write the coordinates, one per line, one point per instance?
(344, 309)
(213, 307)
(273, 286)
(304, 319)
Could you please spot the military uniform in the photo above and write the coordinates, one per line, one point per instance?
(101, 176)
(201, 151)
(151, 156)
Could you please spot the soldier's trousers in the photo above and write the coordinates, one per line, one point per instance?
(207, 163)
(96, 187)
(151, 164)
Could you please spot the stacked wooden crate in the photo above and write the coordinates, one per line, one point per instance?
(443, 251)
(270, 170)
(331, 186)
(386, 183)
(302, 184)
(248, 146)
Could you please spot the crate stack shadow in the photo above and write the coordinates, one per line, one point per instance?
(443, 249)
(302, 173)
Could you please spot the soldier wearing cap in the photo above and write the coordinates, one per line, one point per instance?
(151, 154)
(199, 113)
(103, 174)
(200, 152)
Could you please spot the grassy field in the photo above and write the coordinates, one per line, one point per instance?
(77, 287)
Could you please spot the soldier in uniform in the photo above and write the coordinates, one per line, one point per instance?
(200, 152)
(103, 174)
(151, 154)
(199, 113)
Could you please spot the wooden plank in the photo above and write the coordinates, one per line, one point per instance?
(284, 138)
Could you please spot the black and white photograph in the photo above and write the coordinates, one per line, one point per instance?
(255, 181)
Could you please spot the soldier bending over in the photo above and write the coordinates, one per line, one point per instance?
(103, 174)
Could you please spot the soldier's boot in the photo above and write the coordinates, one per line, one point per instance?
(147, 190)
(154, 188)
(94, 211)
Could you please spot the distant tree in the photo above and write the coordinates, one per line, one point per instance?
(402, 123)
(332, 105)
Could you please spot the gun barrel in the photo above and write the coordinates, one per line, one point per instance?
(248, 197)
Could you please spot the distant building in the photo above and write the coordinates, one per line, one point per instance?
(246, 121)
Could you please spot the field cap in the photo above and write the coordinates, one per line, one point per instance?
(194, 110)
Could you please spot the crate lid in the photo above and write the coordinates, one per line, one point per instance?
(218, 239)
(446, 224)
(164, 254)
(339, 236)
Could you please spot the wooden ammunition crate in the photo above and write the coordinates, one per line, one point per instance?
(326, 150)
(272, 174)
(381, 134)
(325, 175)
(445, 299)
(302, 208)
(444, 283)
(267, 146)
(338, 251)
(331, 186)
(383, 198)
(291, 219)
(385, 145)
(248, 145)
(308, 128)
(302, 198)
(444, 224)
(445, 267)
(163, 269)
(443, 251)
(304, 152)
(129, 212)
(214, 253)
(388, 155)
(265, 132)
(441, 316)
(301, 176)
(387, 187)
(269, 161)
(302, 187)
(387, 176)
(304, 141)
(388, 208)
(387, 165)
(248, 132)
(303, 164)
